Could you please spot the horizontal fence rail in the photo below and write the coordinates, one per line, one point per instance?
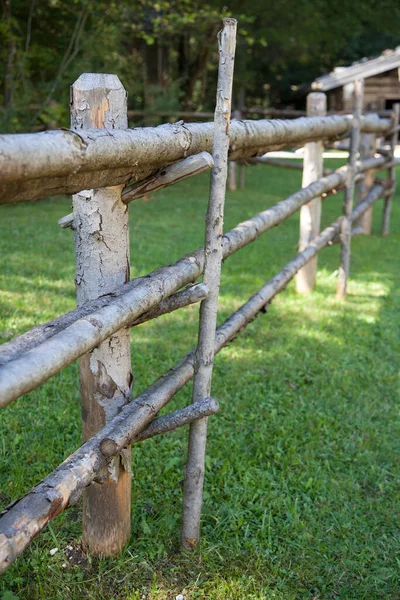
(149, 159)
(64, 162)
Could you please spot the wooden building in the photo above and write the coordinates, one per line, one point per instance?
(381, 83)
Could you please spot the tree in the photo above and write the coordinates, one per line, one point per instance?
(165, 52)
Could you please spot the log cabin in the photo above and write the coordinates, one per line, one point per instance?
(381, 83)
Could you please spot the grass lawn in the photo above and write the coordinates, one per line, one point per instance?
(302, 486)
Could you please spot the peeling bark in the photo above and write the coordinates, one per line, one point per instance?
(102, 264)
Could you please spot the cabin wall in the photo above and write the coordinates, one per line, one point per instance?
(380, 92)
(335, 100)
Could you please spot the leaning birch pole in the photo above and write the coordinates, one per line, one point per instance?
(345, 234)
(194, 470)
(387, 207)
(102, 264)
(310, 214)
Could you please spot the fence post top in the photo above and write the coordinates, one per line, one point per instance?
(316, 104)
(90, 81)
(98, 100)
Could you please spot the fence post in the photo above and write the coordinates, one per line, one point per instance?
(232, 176)
(234, 166)
(391, 172)
(242, 175)
(367, 150)
(310, 214)
(204, 358)
(102, 264)
(345, 234)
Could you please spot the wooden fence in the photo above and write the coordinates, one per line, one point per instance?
(115, 165)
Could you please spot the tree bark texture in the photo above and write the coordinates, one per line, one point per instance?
(193, 165)
(35, 165)
(25, 518)
(102, 264)
(310, 213)
(387, 207)
(349, 192)
(32, 358)
(204, 359)
(189, 295)
(166, 423)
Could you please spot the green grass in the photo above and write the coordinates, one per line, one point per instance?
(302, 487)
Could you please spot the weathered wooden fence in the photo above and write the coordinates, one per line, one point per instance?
(115, 165)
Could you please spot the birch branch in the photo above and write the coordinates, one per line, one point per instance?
(25, 518)
(193, 165)
(190, 295)
(66, 161)
(167, 423)
(204, 359)
(67, 221)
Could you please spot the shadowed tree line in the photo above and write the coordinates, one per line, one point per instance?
(165, 52)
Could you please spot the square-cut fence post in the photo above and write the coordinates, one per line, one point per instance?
(204, 358)
(391, 179)
(367, 150)
(100, 222)
(232, 176)
(346, 226)
(310, 213)
(234, 166)
(242, 176)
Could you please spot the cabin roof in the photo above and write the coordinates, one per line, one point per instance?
(387, 61)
